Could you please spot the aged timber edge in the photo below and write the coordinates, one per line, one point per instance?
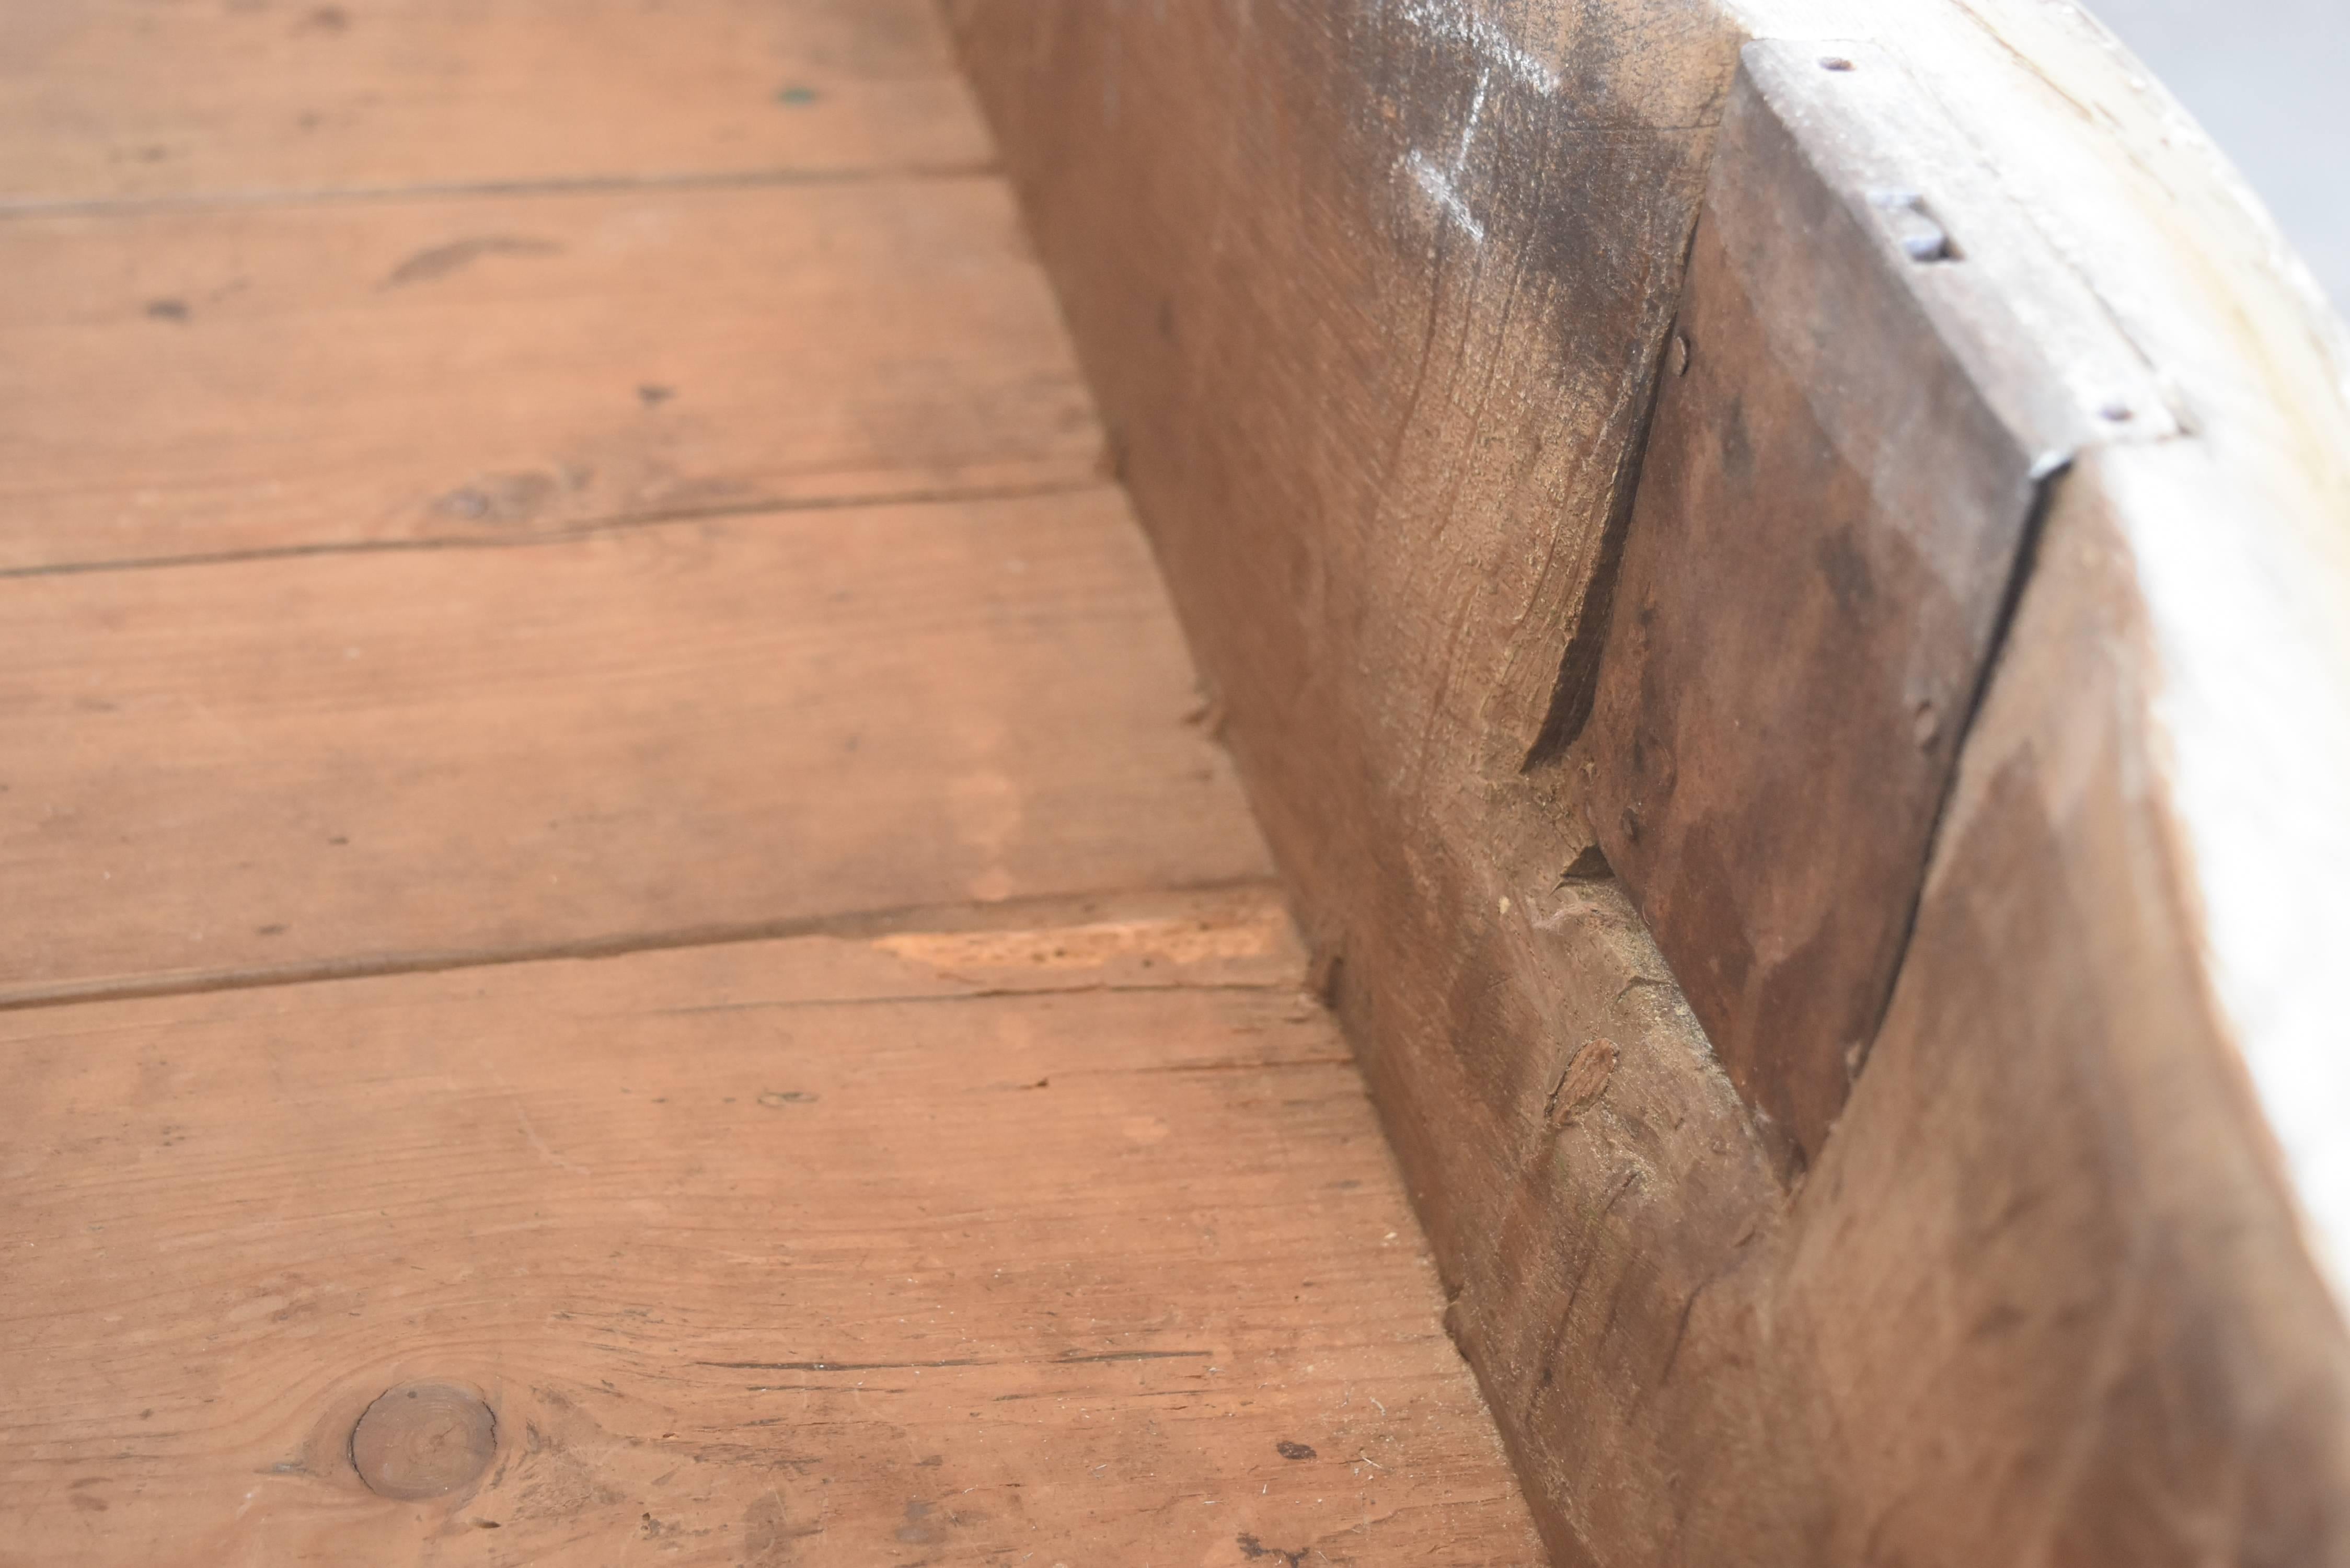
(1255, 217)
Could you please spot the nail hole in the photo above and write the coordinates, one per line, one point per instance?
(1835, 63)
(2118, 412)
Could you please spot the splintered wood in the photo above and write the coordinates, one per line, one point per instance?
(626, 939)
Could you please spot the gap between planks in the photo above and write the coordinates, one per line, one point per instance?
(1043, 912)
(579, 185)
(946, 495)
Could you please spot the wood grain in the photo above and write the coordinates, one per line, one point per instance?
(887, 1158)
(1077, 1240)
(1379, 415)
(145, 99)
(1373, 297)
(388, 759)
(235, 378)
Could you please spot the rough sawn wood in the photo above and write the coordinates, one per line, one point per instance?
(1374, 296)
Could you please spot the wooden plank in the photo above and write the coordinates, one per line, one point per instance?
(1373, 302)
(197, 382)
(1077, 1241)
(2053, 1281)
(276, 767)
(1372, 297)
(1406, 390)
(133, 99)
(1877, 363)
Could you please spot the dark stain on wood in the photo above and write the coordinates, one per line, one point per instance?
(1835, 514)
(440, 261)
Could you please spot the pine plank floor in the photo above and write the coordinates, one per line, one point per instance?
(607, 827)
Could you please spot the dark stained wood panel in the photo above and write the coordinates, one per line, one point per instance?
(1342, 283)
(245, 378)
(389, 758)
(161, 99)
(1876, 364)
(1062, 1242)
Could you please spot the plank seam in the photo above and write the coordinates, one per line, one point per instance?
(949, 495)
(2021, 570)
(1012, 914)
(434, 191)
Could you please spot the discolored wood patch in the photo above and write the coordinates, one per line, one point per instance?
(1877, 365)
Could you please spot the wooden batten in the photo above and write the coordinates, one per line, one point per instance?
(1878, 368)
(1648, 795)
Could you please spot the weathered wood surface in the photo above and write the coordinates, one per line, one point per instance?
(1417, 439)
(1379, 289)
(2244, 576)
(2054, 1232)
(385, 759)
(157, 100)
(259, 377)
(1875, 366)
(1373, 297)
(1073, 1242)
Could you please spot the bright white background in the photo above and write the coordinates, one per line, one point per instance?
(2270, 79)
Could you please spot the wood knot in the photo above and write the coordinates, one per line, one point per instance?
(424, 1439)
(1581, 1085)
